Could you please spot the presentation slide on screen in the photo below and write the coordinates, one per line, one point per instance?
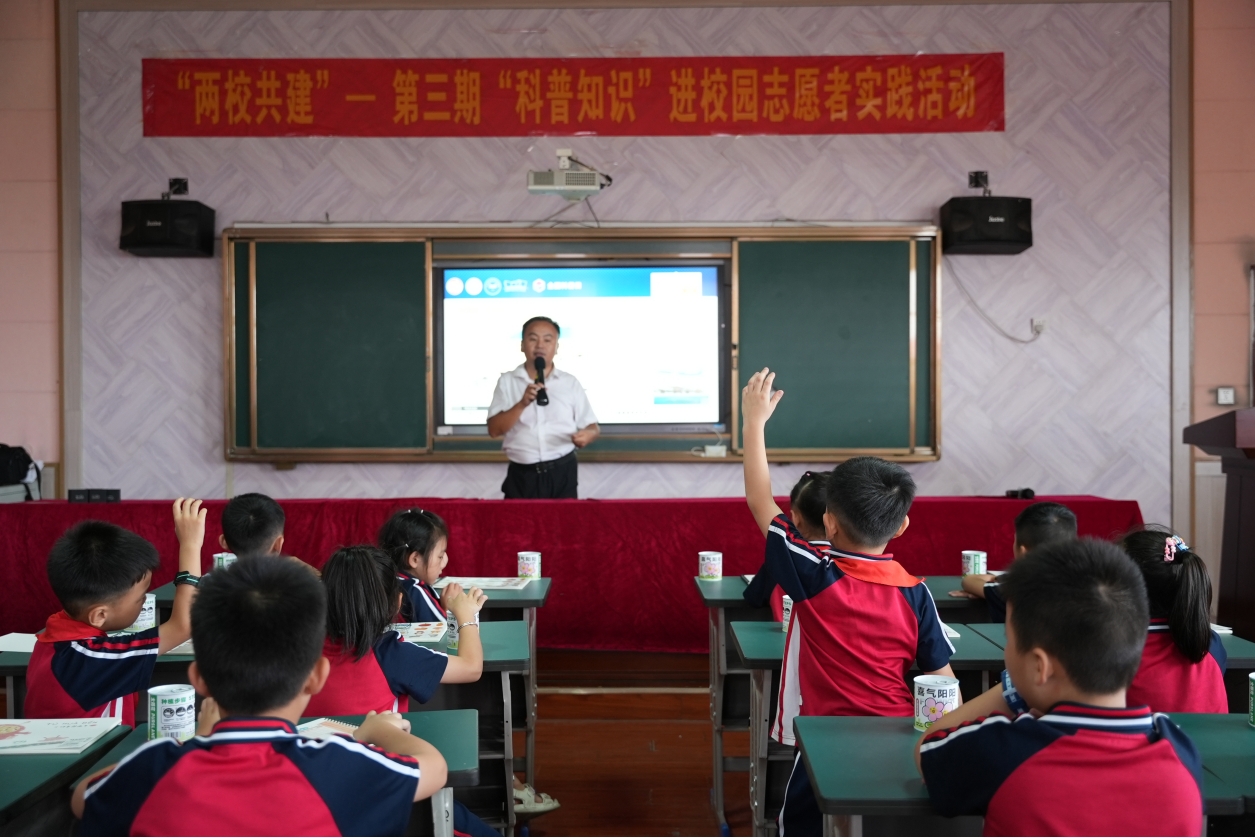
(644, 341)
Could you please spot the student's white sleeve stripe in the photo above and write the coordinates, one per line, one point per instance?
(358, 748)
(156, 743)
(963, 731)
(796, 549)
(93, 653)
(933, 604)
(1090, 721)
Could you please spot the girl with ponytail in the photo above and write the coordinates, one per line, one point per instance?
(1183, 663)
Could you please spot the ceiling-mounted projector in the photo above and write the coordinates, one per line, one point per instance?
(572, 179)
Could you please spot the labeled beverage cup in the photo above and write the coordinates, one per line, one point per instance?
(529, 565)
(452, 634)
(1250, 699)
(935, 695)
(147, 615)
(709, 565)
(975, 561)
(223, 560)
(172, 712)
(787, 611)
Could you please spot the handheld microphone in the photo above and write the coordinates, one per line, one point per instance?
(542, 398)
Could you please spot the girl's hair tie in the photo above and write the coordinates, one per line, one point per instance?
(1173, 545)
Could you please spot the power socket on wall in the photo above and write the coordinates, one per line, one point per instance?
(1038, 324)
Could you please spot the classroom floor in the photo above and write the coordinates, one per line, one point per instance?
(635, 762)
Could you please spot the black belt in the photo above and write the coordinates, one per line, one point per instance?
(545, 465)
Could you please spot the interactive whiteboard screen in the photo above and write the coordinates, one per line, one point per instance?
(644, 341)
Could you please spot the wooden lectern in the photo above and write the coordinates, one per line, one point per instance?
(1231, 437)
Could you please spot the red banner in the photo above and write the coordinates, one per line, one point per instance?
(511, 97)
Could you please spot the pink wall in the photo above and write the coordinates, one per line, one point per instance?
(30, 372)
(1224, 198)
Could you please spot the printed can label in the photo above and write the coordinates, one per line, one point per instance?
(147, 616)
(935, 695)
(709, 565)
(172, 712)
(787, 603)
(529, 565)
(1250, 699)
(975, 561)
(452, 634)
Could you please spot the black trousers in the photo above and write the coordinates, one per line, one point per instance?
(551, 479)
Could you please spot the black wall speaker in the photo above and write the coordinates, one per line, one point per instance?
(167, 228)
(986, 225)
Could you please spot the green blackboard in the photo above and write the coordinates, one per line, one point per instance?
(341, 355)
(832, 319)
(341, 371)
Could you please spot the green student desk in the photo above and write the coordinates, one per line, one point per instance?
(760, 646)
(860, 765)
(729, 677)
(502, 605)
(1240, 661)
(455, 733)
(35, 789)
(955, 609)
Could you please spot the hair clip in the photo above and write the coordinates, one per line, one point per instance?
(1173, 545)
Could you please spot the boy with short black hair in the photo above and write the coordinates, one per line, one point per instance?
(1037, 525)
(1076, 760)
(258, 628)
(101, 572)
(252, 525)
(860, 620)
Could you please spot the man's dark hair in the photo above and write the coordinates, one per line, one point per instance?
(95, 562)
(548, 320)
(258, 629)
(870, 498)
(1085, 603)
(362, 590)
(251, 523)
(1039, 524)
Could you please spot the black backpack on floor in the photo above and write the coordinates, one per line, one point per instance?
(15, 464)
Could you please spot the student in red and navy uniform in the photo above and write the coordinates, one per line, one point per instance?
(372, 667)
(252, 525)
(100, 573)
(1037, 525)
(1183, 664)
(417, 540)
(1056, 749)
(258, 628)
(806, 511)
(859, 619)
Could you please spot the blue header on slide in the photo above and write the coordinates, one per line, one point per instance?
(499, 283)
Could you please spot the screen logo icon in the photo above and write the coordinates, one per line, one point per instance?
(453, 286)
(492, 286)
(474, 286)
(538, 285)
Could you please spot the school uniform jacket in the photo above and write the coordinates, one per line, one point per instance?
(763, 590)
(419, 603)
(254, 776)
(384, 680)
(1169, 682)
(1078, 770)
(76, 671)
(858, 624)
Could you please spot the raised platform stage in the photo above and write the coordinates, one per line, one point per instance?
(622, 569)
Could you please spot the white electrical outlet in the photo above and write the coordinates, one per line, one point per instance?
(1039, 325)
(1226, 395)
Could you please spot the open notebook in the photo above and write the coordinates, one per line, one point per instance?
(51, 736)
(326, 728)
(496, 583)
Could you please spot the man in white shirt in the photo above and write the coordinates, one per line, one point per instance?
(540, 440)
